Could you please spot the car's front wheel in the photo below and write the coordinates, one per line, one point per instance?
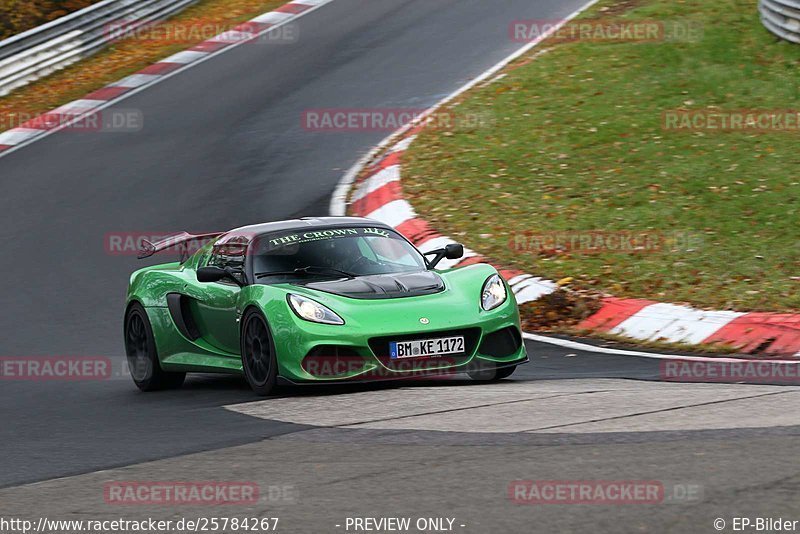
(492, 375)
(140, 348)
(258, 353)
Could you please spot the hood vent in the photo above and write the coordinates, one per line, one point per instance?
(383, 286)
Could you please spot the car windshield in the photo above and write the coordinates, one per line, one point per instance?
(332, 253)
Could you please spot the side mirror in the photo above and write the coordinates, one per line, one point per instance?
(210, 274)
(453, 251)
(216, 274)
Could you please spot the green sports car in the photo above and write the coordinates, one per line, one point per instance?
(316, 300)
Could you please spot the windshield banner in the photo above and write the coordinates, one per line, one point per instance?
(330, 233)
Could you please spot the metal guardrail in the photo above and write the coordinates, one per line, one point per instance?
(52, 46)
(781, 17)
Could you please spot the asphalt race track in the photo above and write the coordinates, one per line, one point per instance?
(223, 146)
(110, 423)
(445, 448)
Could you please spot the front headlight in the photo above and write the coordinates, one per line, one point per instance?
(494, 293)
(313, 311)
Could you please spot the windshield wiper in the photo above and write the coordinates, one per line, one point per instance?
(321, 269)
(310, 269)
(274, 273)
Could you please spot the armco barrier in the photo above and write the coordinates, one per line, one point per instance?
(52, 46)
(781, 17)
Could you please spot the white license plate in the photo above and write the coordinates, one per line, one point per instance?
(426, 348)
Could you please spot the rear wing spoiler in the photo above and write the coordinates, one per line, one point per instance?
(179, 241)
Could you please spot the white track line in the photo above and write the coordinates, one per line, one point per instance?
(619, 352)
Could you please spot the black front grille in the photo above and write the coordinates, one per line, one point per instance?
(502, 343)
(333, 360)
(380, 347)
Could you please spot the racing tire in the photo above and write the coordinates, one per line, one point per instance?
(140, 349)
(492, 375)
(259, 363)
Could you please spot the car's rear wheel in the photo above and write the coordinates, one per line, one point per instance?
(258, 354)
(492, 375)
(140, 348)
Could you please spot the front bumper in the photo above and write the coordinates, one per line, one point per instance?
(478, 364)
(364, 357)
(358, 349)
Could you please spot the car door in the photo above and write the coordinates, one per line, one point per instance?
(214, 305)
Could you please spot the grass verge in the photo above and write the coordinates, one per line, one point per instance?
(577, 159)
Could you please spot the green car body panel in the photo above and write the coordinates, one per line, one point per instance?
(216, 310)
